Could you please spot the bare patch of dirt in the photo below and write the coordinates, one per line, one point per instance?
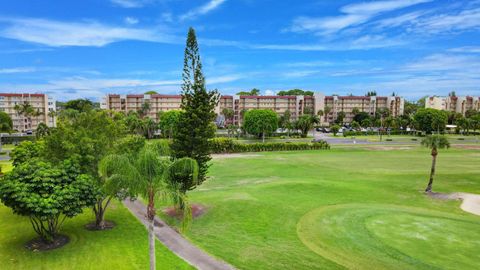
(93, 227)
(470, 202)
(39, 244)
(222, 156)
(197, 211)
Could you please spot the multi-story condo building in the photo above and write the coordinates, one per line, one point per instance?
(453, 104)
(42, 106)
(297, 105)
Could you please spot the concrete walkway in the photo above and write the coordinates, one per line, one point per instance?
(175, 242)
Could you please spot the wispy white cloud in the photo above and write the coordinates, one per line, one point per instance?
(130, 3)
(466, 49)
(131, 20)
(58, 33)
(17, 70)
(202, 10)
(442, 23)
(353, 15)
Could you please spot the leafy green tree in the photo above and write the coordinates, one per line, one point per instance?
(470, 113)
(360, 116)
(134, 123)
(149, 126)
(340, 117)
(168, 122)
(145, 109)
(295, 92)
(129, 145)
(25, 151)
(253, 92)
(79, 105)
(195, 127)
(410, 108)
(86, 139)
(430, 120)
(151, 93)
(355, 125)
(260, 122)
(151, 174)
(335, 129)
(434, 142)
(6, 123)
(367, 122)
(47, 194)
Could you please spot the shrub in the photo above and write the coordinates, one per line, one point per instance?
(224, 145)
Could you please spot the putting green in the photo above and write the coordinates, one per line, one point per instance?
(378, 236)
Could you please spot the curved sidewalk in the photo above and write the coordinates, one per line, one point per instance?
(176, 242)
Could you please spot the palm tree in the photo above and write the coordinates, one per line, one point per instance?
(27, 111)
(326, 112)
(228, 113)
(145, 109)
(52, 115)
(434, 142)
(151, 174)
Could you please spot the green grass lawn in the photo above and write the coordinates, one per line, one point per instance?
(124, 247)
(357, 208)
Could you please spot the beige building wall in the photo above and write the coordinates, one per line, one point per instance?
(297, 105)
(453, 104)
(40, 103)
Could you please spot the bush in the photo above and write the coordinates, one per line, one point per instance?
(388, 140)
(17, 139)
(224, 145)
(461, 139)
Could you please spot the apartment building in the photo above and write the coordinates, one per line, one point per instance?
(156, 103)
(42, 106)
(453, 104)
(297, 105)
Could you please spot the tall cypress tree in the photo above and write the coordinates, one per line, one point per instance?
(195, 125)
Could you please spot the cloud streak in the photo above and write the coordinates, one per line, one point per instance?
(354, 14)
(202, 10)
(57, 34)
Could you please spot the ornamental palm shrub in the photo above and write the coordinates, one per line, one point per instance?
(151, 173)
(434, 142)
(47, 194)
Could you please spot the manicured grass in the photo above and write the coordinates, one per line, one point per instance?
(124, 247)
(358, 207)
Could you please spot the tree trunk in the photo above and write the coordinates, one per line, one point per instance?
(263, 137)
(151, 227)
(151, 243)
(432, 171)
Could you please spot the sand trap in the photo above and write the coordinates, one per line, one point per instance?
(470, 204)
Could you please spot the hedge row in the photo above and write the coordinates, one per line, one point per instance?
(16, 139)
(224, 145)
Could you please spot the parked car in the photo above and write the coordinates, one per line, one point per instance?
(28, 132)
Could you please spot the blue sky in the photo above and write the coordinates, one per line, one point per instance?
(72, 49)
